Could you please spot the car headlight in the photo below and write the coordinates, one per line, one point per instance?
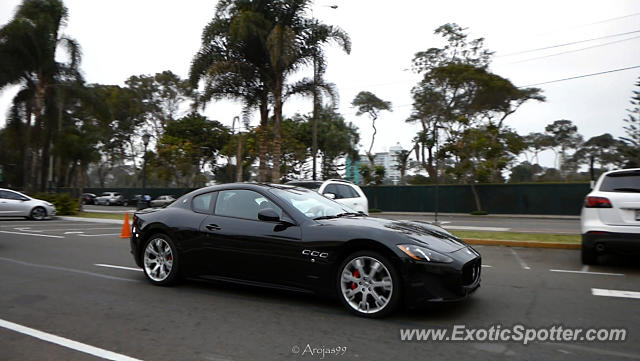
(48, 204)
(424, 254)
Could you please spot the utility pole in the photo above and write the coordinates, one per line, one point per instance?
(316, 105)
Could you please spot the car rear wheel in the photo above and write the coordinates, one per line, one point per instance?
(589, 256)
(38, 214)
(368, 284)
(160, 260)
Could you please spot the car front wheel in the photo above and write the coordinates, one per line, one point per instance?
(38, 214)
(160, 260)
(368, 284)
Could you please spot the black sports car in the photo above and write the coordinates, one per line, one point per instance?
(293, 238)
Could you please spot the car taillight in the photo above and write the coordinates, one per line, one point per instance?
(597, 202)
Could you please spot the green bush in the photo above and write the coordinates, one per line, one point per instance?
(65, 205)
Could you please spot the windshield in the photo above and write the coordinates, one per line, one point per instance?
(312, 204)
(621, 182)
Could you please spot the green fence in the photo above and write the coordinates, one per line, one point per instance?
(544, 198)
(554, 199)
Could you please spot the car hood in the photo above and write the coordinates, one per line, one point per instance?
(423, 233)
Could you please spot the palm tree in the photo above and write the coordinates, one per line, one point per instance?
(232, 63)
(28, 45)
(250, 49)
(369, 103)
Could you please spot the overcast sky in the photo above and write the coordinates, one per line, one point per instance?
(123, 38)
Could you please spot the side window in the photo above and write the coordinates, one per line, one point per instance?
(241, 203)
(4, 195)
(11, 195)
(332, 188)
(347, 191)
(202, 203)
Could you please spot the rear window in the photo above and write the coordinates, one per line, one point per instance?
(621, 182)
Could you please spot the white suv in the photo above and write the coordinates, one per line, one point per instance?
(341, 191)
(610, 219)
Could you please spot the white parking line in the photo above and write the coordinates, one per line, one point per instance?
(486, 266)
(587, 272)
(64, 269)
(615, 293)
(32, 234)
(65, 342)
(119, 267)
(99, 235)
(522, 264)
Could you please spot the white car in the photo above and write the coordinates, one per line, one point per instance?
(341, 191)
(111, 198)
(16, 204)
(610, 218)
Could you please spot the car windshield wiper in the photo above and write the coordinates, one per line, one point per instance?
(627, 189)
(352, 214)
(324, 217)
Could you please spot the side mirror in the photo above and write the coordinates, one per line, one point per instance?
(268, 215)
(330, 195)
(24, 199)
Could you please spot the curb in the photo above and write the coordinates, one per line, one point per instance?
(530, 244)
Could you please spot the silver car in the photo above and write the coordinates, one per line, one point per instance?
(16, 204)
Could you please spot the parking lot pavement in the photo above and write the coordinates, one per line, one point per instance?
(86, 293)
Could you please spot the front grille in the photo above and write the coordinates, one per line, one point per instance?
(471, 272)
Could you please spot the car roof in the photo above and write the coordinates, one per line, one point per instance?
(629, 170)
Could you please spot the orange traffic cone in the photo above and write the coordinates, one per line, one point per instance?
(126, 228)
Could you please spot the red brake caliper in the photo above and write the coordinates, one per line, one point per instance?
(356, 274)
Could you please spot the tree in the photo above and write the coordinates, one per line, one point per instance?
(161, 97)
(187, 144)
(632, 129)
(263, 41)
(525, 172)
(565, 136)
(402, 158)
(368, 103)
(482, 150)
(458, 93)
(233, 63)
(537, 143)
(605, 150)
(28, 49)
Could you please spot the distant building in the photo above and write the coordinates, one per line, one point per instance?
(386, 159)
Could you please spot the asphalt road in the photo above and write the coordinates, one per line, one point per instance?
(51, 281)
(493, 223)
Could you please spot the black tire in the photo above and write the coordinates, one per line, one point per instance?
(589, 256)
(38, 214)
(173, 275)
(125, 203)
(396, 293)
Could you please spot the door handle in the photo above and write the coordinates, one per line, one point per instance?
(213, 227)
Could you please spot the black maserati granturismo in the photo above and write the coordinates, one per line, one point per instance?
(295, 239)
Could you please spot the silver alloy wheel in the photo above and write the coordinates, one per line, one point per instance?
(158, 259)
(38, 213)
(366, 284)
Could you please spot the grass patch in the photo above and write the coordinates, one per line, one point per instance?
(515, 236)
(119, 216)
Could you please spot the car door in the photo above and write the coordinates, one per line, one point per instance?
(247, 248)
